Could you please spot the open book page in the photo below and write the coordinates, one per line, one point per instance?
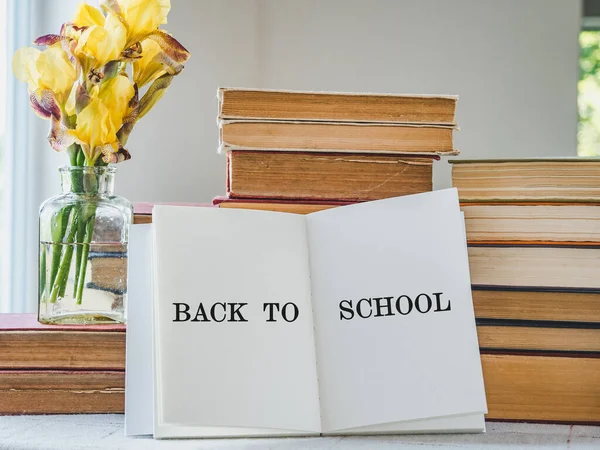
(409, 350)
(233, 369)
(138, 376)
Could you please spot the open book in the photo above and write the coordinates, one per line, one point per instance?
(353, 320)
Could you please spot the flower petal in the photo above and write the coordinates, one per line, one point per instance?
(59, 137)
(57, 73)
(87, 15)
(95, 129)
(44, 104)
(170, 46)
(50, 39)
(154, 93)
(116, 94)
(115, 157)
(129, 118)
(82, 98)
(24, 65)
(110, 5)
(149, 66)
(143, 16)
(104, 44)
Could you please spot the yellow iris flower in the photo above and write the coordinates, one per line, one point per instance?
(104, 42)
(116, 94)
(148, 67)
(47, 70)
(143, 17)
(80, 81)
(95, 131)
(87, 16)
(97, 124)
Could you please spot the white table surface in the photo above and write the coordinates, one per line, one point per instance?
(65, 432)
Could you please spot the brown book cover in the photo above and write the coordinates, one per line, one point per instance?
(142, 218)
(26, 344)
(336, 137)
(527, 180)
(537, 305)
(322, 176)
(336, 106)
(61, 392)
(542, 388)
(538, 337)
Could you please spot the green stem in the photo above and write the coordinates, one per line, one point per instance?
(65, 262)
(89, 231)
(78, 159)
(42, 285)
(59, 229)
(78, 254)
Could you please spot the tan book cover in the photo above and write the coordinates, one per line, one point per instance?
(541, 305)
(61, 392)
(558, 267)
(527, 180)
(264, 104)
(26, 344)
(554, 222)
(542, 388)
(336, 137)
(538, 338)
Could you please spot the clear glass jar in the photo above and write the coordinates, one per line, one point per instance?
(83, 250)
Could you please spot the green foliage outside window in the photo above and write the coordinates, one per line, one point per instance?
(588, 135)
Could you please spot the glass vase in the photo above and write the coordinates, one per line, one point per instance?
(83, 250)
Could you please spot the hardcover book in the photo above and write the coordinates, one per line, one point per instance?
(527, 180)
(542, 388)
(352, 320)
(278, 205)
(543, 304)
(555, 267)
(25, 344)
(266, 104)
(534, 222)
(325, 176)
(336, 137)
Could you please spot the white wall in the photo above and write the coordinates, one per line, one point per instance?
(512, 62)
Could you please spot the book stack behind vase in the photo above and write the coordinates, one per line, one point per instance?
(533, 229)
(303, 152)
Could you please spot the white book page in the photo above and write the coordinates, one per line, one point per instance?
(394, 368)
(464, 423)
(138, 374)
(239, 375)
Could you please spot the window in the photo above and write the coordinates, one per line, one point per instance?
(18, 205)
(3, 77)
(588, 135)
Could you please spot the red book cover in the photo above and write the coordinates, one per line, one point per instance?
(223, 199)
(28, 322)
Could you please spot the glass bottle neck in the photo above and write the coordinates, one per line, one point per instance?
(88, 180)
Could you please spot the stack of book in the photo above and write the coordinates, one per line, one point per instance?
(60, 369)
(306, 151)
(533, 231)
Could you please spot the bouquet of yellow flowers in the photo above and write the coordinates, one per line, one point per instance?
(89, 80)
(94, 81)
